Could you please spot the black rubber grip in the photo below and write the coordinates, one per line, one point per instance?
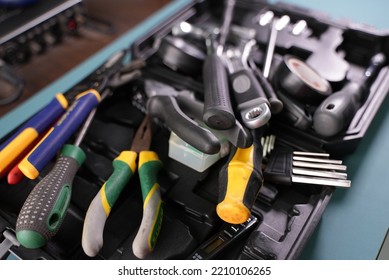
(44, 209)
(181, 55)
(256, 179)
(218, 112)
(167, 109)
(336, 112)
(295, 113)
(238, 136)
(246, 87)
(276, 105)
(279, 168)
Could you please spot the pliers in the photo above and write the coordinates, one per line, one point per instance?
(124, 167)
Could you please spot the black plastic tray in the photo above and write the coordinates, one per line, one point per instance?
(287, 217)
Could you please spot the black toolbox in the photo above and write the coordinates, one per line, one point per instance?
(283, 218)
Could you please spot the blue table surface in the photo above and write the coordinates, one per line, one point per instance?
(355, 222)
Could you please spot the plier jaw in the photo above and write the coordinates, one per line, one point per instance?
(114, 73)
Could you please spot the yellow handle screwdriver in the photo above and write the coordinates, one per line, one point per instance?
(239, 182)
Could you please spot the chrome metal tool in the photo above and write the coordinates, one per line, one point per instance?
(9, 241)
(277, 25)
(288, 168)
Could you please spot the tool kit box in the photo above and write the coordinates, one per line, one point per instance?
(242, 175)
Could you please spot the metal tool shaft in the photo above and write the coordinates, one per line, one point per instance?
(277, 25)
(225, 28)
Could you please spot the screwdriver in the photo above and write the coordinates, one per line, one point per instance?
(46, 206)
(47, 148)
(83, 104)
(15, 176)
(20, 141)
(335, 113)
(240, 180)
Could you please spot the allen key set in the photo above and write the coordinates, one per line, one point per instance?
(286, 168)
(254, 108)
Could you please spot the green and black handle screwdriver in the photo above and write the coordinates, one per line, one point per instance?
(46, 206)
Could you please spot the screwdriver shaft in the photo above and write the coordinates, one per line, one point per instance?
(270, 50)
(89, 119)
(9, 241)
(84, 128)
(225, 28)
(321, 181)
(319, 165)
(317, 160)
(312, 154)
(318, 173)
(277, 25)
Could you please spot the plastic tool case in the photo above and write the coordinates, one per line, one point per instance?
(283, 218)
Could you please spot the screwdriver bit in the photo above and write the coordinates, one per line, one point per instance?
(288, 168)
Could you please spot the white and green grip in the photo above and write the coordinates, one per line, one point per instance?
(146, 238)
(46, 206)
(100, 207)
